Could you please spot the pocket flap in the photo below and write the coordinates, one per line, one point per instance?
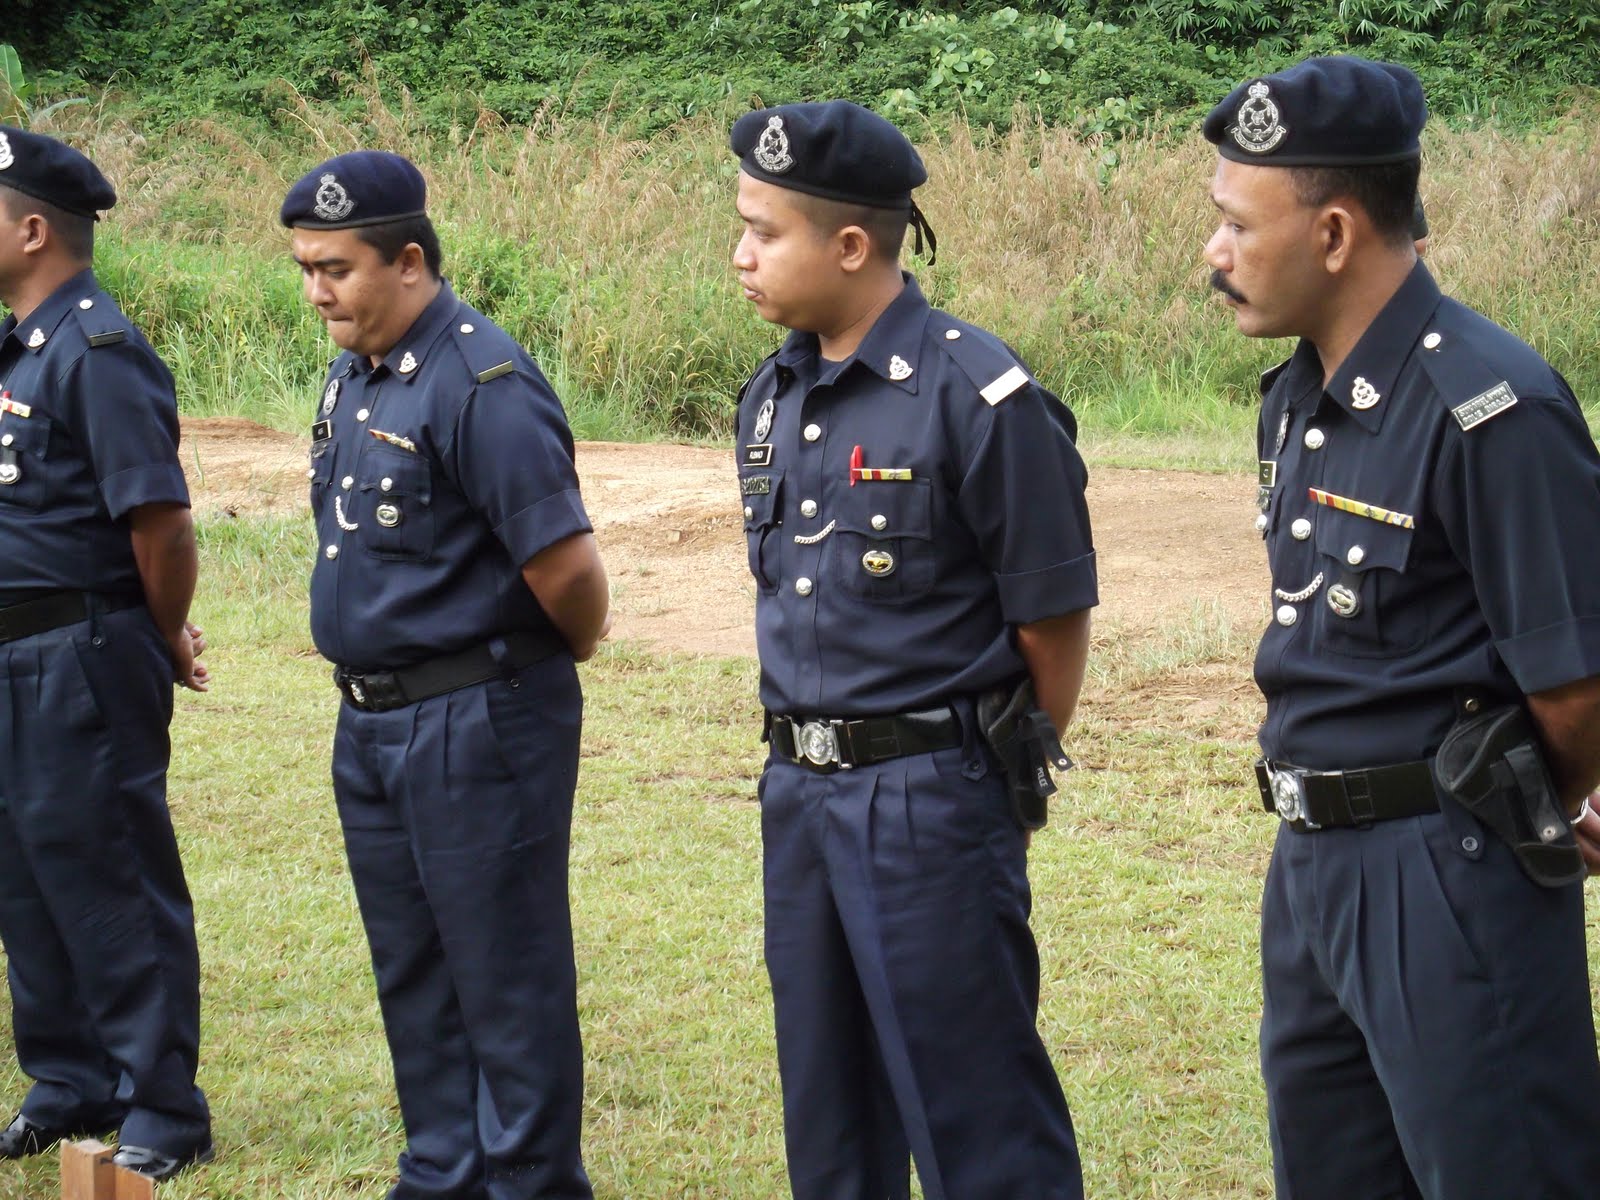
(880, 509)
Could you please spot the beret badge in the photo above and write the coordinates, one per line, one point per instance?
(333, 202)
(1256, 127)
(6, 157)
(772, 151)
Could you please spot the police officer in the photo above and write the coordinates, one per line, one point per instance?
(99, 554)
(914, 509)
(456, 584)
(1430, 500)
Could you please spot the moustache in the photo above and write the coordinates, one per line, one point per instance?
(1219, 282)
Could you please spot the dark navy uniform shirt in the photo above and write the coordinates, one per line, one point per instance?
(1433, 525)
(896, 588)
(434, 476)
(88, 431)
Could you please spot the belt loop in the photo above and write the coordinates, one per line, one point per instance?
(766, 725)
(501, 654)
(94, 607)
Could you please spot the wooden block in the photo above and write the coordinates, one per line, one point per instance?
(86, 1171)
(132, 1186)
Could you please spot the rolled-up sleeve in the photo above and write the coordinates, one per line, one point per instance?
(129, 416)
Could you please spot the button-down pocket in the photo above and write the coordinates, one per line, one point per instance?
(396, 491)
(1365, 608)
(762, 533)
(882, 547)
(24, 455)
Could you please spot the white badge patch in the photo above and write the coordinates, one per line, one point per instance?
(899, 368)
(764, 419)
(36, 339)
(1362, 394)
(1480, 408)
(333, 202)
(408, 364)
(330, 397)
(772, 150)
(1256, 127)
(6, 157)
(1005, 385)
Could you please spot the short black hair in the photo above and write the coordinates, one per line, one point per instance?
(886, 227)
(390, 238)
(1387, 192)
(75, 231)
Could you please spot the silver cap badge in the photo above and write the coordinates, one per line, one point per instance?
(333, 202)
(408, 364)
(899, 368)
(1362, 394)
(36, 339)
(6, 157)
(1256, 127)
(772, 150)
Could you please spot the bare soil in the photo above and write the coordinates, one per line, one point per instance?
(667, 520)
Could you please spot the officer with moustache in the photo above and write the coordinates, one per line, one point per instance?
(100, 564)
(1430, 501)
(914, 511)
(456, 586)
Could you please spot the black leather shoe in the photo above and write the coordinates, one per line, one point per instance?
(152, 1164)
(22, 1138)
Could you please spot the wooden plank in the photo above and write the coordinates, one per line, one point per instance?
(86, 1171)
(130, 1185)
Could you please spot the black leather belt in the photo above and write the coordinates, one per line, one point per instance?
(380, 691)
(54, 610)
(1342, 799)
(834, 745)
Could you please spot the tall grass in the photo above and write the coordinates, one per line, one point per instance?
(608, 256)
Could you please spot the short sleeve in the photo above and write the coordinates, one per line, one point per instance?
(512, 457)
(1520, 497)
(126, 411)
(1023, 498)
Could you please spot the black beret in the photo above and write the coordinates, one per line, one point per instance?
(54, 172)
(1323, 112)
(833, 149)
(363, 187)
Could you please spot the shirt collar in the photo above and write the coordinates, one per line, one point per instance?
(891, 349)
(1364, 383)
(35, 333)
(406, 355)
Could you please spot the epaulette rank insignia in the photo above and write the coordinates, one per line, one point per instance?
(495, 372)
(109, 338)
(1000, 388)
(1481, 407)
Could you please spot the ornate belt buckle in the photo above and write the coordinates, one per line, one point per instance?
(818, 743)
(1287, 796)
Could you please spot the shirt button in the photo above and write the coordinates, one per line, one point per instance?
(311, 472)
(347, 481)
(1261, 523)
(808, 508)
(386, 483)
(466, 327)
(7, 440)
(1287, 614)
(803, 586)
(364, 413)
(748, 512)
(812, 432)
(1354, 555)
(879, 521)
(1301, 529)
(951, 335)
(332, 552)
(86, 304)
(1314, 439)
(1432, 341)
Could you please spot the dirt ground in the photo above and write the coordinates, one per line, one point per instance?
(667, 520)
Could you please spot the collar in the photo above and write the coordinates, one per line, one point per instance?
(406, 355)
(1374, 365)
(35, 333)
(891, 349)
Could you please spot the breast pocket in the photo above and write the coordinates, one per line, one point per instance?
(1367, 609)
(395, 514)
(762, 527)
(24, 461)
(882, 547)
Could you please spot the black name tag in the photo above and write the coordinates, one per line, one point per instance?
(755, 485)
(321, 431)
(759, 455)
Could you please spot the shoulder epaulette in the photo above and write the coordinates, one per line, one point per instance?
(983, 358)
(102, 322)
(488, 350)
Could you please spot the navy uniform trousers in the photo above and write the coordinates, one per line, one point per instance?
(94, 912)
(1427, 1030)
(457, 814)
(905, 985)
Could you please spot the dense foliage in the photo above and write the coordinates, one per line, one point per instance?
(1100, 65)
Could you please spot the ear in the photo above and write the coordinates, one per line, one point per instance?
(413, 264)
(1336, 233)
(36, 234)
(855, 248)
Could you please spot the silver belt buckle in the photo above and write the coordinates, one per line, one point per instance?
(1288, 796)
(817, 742)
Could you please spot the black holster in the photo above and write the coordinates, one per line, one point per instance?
(1024, 739)
(1492, 764)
